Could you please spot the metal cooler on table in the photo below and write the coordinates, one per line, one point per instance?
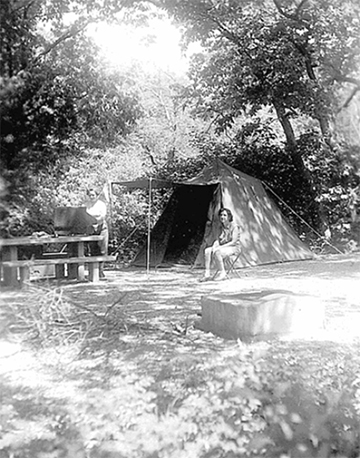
(73, 221)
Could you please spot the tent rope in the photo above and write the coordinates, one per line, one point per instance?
(124, 241)
(302, 219)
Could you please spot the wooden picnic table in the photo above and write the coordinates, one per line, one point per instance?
(74, 257)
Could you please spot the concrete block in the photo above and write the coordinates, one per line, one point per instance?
(261, 315)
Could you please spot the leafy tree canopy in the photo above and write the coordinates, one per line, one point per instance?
(56, 93)
(289, 55)
(292, 61)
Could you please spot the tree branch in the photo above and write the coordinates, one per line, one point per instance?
(25, 5)
(70, 33)
(74, 30)
(281, 11)
(307, 55)
(295, 16)
(228, 34)
(212, 122)
(299, 7)
(349, 99)
(347, 79)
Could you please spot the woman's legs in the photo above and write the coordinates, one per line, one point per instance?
(220, 254)
(219, 261)
(208, 255)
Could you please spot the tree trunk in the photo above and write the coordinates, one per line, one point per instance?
(286, 125)
(290, 137)
(298, 162)
(325, 129)
(322, 118)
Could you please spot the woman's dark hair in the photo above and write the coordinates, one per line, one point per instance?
(226, 210)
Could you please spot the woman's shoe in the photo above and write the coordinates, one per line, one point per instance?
(205, 278)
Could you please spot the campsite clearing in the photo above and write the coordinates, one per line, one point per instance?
(137, 379)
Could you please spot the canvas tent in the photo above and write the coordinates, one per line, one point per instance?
(190, 221)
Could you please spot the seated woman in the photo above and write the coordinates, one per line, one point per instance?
(226, 244)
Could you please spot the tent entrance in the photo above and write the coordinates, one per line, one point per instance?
(188, 226)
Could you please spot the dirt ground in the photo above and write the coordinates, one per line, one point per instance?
(173, 294)
(164, 304)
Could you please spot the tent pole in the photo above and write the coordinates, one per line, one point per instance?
(148, 235)
(108, 185)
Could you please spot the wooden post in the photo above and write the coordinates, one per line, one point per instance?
(72, 268)
(94, 272)
(81, 267)
(10, 273)
(60, 271)
(24, 274)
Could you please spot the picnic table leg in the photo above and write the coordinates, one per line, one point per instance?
(59, 271)
(24, 274)
(94, 271)
(72, 268)
(76, 271)
(81, 267)
(10, 253)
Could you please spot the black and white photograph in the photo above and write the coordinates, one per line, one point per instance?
(179, 229)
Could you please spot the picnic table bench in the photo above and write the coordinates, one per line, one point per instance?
(15, 271)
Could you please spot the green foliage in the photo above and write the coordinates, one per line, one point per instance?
(271, 53)
(37, 117)
(57, 99)
(129, 225)
(254, 148)
(336, 175)
(38, 193)
(61, 106)
(290, 57)
(66, 123)
(49, 113)
(165, 130)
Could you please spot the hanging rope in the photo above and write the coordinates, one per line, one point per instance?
(302, 219)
